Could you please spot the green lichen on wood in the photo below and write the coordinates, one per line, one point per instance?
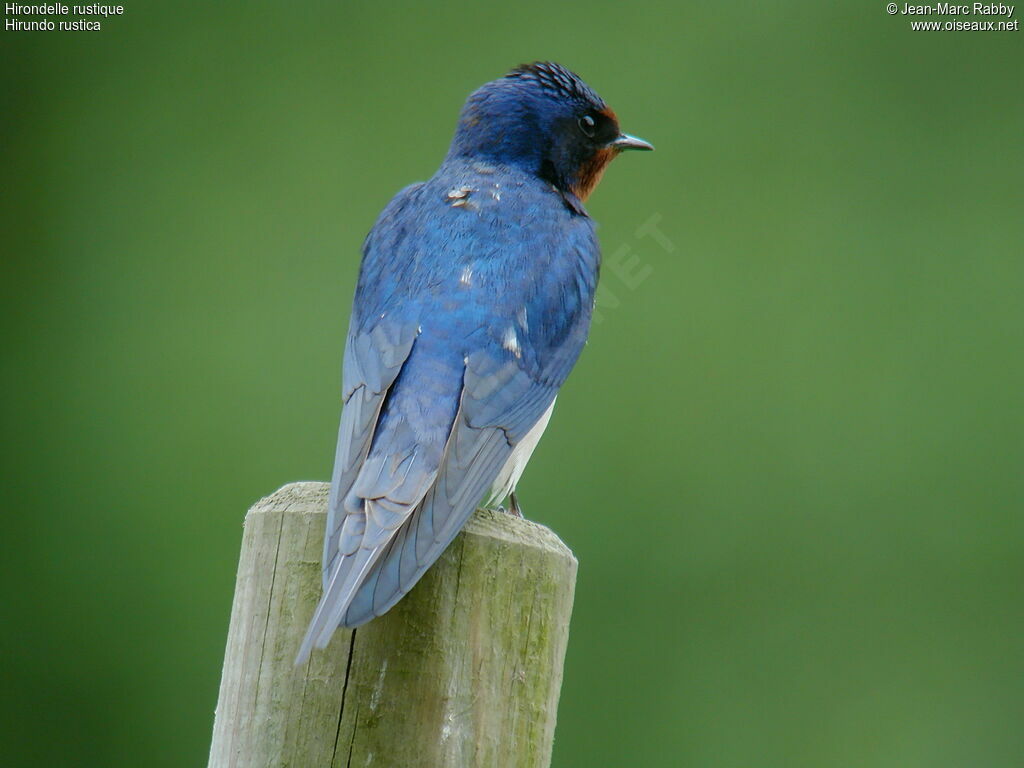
(465, 671)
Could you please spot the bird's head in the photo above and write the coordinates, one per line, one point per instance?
(544, 119)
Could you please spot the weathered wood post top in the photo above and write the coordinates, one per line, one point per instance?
(465, 671)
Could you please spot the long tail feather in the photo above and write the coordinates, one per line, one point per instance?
(336, 599)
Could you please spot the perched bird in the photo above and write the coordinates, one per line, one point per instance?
(473, 303)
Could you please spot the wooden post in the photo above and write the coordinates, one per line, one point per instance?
(464, 671)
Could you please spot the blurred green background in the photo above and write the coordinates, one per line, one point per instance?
(789, 461)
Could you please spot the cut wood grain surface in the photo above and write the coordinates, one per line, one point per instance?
(464, 671)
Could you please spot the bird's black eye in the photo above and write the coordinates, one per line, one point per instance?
(588, 126)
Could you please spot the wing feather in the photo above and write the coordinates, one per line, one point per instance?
(374, 498)
(486, 428)
(372, 363)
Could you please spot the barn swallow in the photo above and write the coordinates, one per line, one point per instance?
(473, 303)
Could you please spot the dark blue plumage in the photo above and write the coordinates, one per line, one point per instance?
(473, 303)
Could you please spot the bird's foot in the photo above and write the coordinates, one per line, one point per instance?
(513, 506)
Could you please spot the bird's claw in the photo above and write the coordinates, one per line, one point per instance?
(513, 506)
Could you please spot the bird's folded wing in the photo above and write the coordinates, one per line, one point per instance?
(388, 457)
(499, 404)
(395, 513)
(373, 360)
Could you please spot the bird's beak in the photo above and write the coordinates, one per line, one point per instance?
(625, 141)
